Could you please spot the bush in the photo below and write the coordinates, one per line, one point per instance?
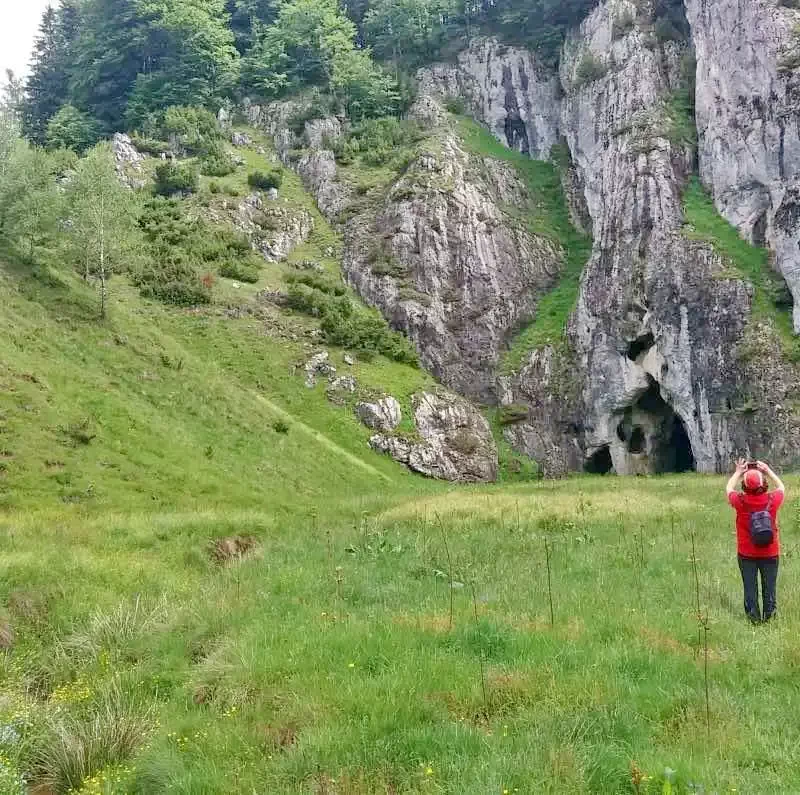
(457, 106)
(317, 281)
(150, 146)
(78, 747)
(213, 187)
(217, 165)
(173, 281)
(666, 30)
(172, 178)
(589, 69)
(380, 142)
(280, 427)
(508, 415)
(240, 271)
(193, 129)
(348, 326)
(261, 180)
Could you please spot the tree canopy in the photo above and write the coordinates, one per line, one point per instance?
(102, 65)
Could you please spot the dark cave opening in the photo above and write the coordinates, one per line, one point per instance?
(682, 448)
(660, 433)
(640, 345)
(638, 441)
(600, 462)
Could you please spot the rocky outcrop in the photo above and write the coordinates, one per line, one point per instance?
(382, 415)
(655, 326)
(128, 161)
(273, 230)
(318, 365)
(541, 410)
(748, 120)
(514, 95)
(457, 443)
(445, 264)
(306, 147)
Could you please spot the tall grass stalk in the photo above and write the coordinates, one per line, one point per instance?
(449, 570)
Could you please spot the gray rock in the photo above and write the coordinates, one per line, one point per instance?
(318, 365)
(128, 160)
(457, 274)
(224, 118)
(241, 139)
(348, 359)
(272, 194)
(748, 119)
(339, 388)
(383, 415)
(505, 87)
(273, 231)
(457, 443)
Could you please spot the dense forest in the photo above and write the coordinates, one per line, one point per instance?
(100, 66)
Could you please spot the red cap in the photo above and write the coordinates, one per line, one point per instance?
(753, 481)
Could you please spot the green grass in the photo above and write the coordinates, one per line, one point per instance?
(546, 216)
(703, 222)
(335, 656)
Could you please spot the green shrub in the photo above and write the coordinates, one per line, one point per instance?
(508, 415)
(456, 106)
(217, 165)
(317, 281)
(194, 129)
(349, 326)
(380, 142)
(261, 180)
(589, 69)
(172, 178)
(149, 146)
(280, 426)
(240, 271)
(213, 187)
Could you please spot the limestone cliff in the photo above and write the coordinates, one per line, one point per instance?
(663, 365)
(748, 120)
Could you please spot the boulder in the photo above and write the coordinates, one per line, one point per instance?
(383, 415)
(241, 139)
(339, 388)
(318, 365)
(457, 442)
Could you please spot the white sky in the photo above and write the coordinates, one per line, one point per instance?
(19, 21)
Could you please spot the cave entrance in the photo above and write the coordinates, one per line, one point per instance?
(653, 437)
(600, 462)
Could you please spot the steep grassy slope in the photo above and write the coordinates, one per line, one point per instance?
(160, 406)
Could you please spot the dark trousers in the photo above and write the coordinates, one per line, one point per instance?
(768, 569)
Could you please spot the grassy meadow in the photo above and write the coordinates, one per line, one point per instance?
(210, 584)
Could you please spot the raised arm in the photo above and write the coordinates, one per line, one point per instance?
(776, 481)
(733, 483)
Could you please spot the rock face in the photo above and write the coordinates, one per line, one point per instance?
(515, 96)
(655, 326)
(273, 231)
(318, 365)
(457, 441)
(317, 165)
(446, 265)
(748, 120)
(128, 160)
(383, 415)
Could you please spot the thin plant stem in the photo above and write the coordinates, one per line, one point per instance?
(480, 656)
(549, 581)
(449, 567)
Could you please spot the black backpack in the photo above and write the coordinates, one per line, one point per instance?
(762, 533)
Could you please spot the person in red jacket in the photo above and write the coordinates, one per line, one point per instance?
(756, 560)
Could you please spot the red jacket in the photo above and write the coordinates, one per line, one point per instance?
(744, 505)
